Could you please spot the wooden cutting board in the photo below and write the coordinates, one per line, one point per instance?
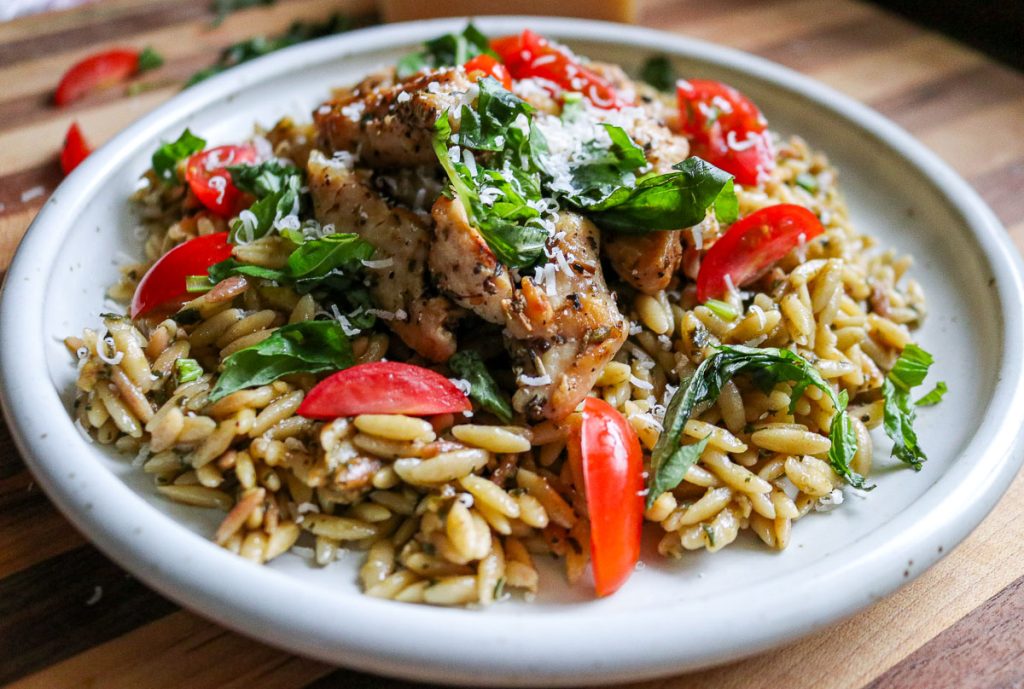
(69, 617)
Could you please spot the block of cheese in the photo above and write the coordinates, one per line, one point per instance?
(406, 10)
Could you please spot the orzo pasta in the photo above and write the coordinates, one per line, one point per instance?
(498, 303)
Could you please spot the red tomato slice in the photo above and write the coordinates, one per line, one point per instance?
(530, 55)
(164, 282)
(75, 149)
(607, 453)
(383, 387)
(487, 66)
(726, 129)
(751, 245)
(208, 178)
(102, 69)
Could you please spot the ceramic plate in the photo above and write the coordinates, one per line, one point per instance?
(672, 616)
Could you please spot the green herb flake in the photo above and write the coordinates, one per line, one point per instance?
(149, 59)
(807, 181)
(935, 396)
(659, 73)
(307, 347)
(468, 365)
(187, 370)
(166, 158)
(722, 309)
(198, 283)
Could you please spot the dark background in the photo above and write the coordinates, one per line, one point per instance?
(995, 27)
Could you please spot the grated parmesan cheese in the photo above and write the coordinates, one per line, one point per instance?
(525, 380)
(33, 193)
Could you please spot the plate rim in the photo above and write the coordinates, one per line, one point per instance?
(421, 653)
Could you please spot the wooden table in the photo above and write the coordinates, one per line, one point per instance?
(69, 617)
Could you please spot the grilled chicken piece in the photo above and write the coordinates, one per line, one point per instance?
(645, 261)
(563, 335)
(391, 125)
(345, 197)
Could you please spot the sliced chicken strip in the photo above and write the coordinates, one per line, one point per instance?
(392, 125)
(345, 198)
(645, 261)
(561, 329)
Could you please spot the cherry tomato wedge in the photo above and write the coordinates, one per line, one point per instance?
(208, 178)
(726, 129)
(102, 69)
(751, 245)
(164, 282)
(607, 454)
(383, 387)
(75, 149)
(529, 55)
(487, 66)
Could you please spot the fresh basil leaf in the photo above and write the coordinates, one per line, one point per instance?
(166, 158)
(317, 258)
(468, 365)
(149, 59)
(187, 370)
(278, 190)
(933, 397)
(307, 347)
(504, 221)
(601, 169)
(899, 414)
(768, 366)
(659, 73)
(449, 50)
(486, 127)
(664, 202)
(727, 205)
(264, 179)
(911, 367)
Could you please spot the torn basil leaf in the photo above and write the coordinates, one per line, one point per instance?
(449, 50)
(934, 396)
(659, 73)
(278, 191)
(187, 370)
(670, 461)
(899, 413)
(166, 158)
(665, 202)
(468, 365)
(307, 347)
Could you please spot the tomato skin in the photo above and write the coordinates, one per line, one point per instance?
(530, 55)
(726, 129)
(203, 168)
(75, 149)
(164, 282)
(383, 387)
(102, 69)
(606, 452)
(752, 244)
(487, 66)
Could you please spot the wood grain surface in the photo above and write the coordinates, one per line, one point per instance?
(69, 617)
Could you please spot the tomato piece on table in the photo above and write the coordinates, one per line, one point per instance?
(75, 149)
(606, 453)
(726, 129)
(207, 176)
(488, 66)
(96, 71)
(165, 281)
(383, 387)
(751, 245)
(530, 55)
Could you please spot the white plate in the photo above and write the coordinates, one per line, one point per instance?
(672, 616)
